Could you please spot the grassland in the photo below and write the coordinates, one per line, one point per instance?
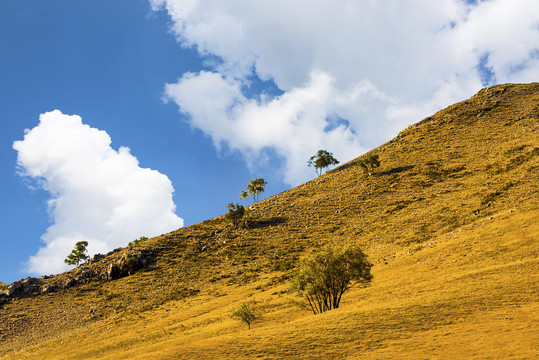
(450, 222)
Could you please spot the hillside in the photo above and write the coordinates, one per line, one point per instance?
(450, 221)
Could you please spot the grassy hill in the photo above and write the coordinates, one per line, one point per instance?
(450, 221)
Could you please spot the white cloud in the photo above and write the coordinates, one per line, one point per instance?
(291, 124)
(387, 63)
(98, 194)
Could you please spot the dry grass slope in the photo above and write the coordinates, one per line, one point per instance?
(450, 221)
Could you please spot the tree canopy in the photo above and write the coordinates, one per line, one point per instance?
(246, 314)
(321, 161)
(254, 189)
(78, 254)
(324, 275)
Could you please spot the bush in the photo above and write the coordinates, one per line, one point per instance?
(369, 163)
(235, 214)
(324, 275)
(3, 287)
(131, 263)
(136, 242)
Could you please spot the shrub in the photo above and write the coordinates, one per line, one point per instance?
(324, 275)
(131, 262)
(235, 214)
(3, 287)
(368, 163)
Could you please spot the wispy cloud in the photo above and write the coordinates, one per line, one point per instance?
(98, 194)
(378, 65)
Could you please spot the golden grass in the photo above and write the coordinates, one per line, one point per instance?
(420, 306)
(450, 222)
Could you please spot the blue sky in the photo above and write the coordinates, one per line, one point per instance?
(212, 95)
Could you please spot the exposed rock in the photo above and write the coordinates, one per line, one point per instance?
(127, 264)
(113, 251)
(24, 286)
(69, 283)
(112, 272)
(49, 288)
(130, 262)
(84, 276)
(95, 258)
(4, 299)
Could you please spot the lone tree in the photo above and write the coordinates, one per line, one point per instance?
(3, 287)
(325, 275)
(368, 163)
(254, 189)
(322, 160)
(235, 214)
(246, 314)
(78, 254)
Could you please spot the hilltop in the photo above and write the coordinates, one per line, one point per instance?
(449, 220)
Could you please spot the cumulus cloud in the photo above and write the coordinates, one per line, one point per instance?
(292, 124)
(98, 194)
(376, 65)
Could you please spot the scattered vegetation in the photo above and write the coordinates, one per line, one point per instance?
(137, 242)
(368, 163)
(325, 275)
(78, 254)
(254, 189)
(322, 161)
(445, 277)
(246, 314)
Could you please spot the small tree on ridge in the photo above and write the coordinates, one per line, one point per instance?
(254, 188)
(78, 254)
(322, 160)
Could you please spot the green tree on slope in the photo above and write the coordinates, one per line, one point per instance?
(78, 254)
(246, 314)
(322, 160)
(254, 189)
(325, 275)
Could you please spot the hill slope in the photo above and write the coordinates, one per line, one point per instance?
(450, 222)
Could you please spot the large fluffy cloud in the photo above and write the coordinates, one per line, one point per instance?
(98, 194)
(378, 65)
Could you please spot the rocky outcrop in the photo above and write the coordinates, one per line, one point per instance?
(24, 287)
(127, 264)
(4, 299)
(130, 262)
(49, 288)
